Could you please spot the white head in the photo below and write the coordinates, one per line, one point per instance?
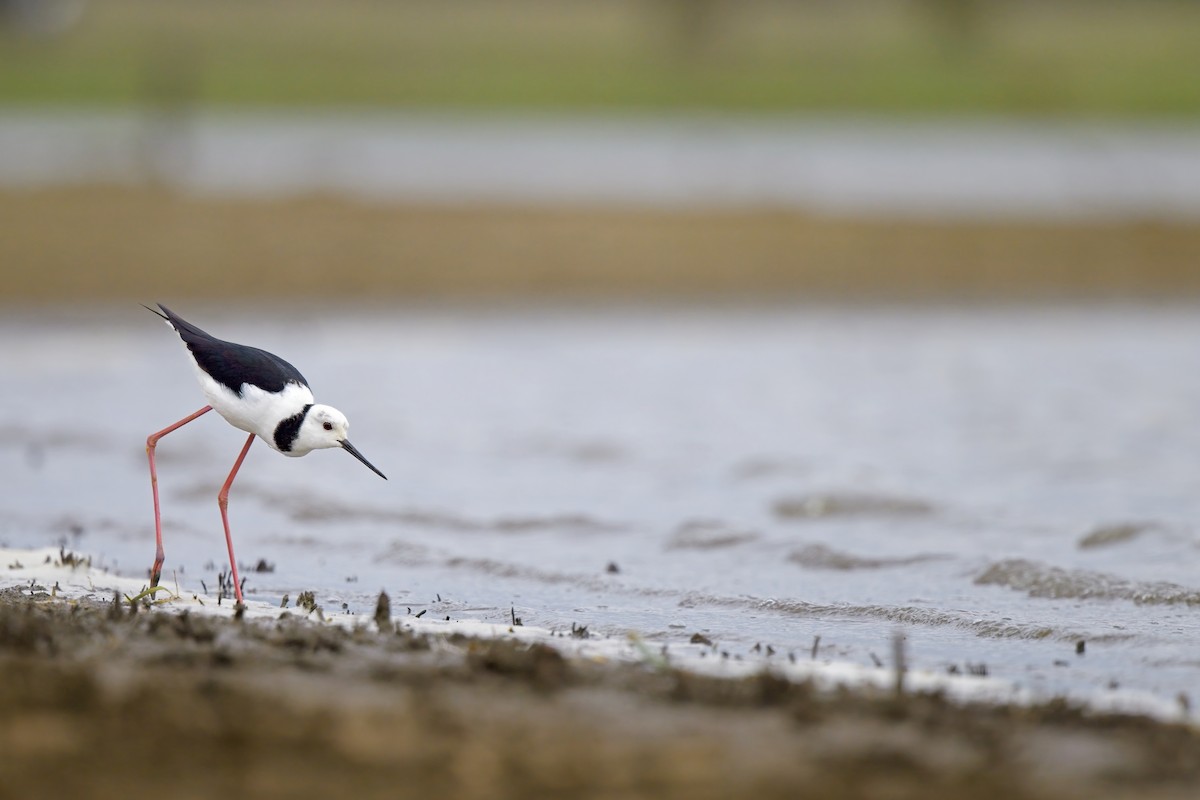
(325, 426)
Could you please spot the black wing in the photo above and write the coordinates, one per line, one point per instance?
(232, 365)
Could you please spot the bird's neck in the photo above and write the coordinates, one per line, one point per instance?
(288, 430)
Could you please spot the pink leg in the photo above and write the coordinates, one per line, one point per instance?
(223, 502)
(151, 441)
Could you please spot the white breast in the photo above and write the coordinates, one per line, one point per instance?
(255, 411)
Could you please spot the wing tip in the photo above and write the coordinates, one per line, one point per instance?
(155, 311)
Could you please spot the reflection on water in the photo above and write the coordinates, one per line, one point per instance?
(1000, 483)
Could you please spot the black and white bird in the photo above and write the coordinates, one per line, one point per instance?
(257, 392)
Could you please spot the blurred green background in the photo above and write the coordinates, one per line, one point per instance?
(1082, 62)
(1054, 57)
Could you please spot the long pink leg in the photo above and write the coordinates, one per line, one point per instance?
(223, 502)
(151, 441)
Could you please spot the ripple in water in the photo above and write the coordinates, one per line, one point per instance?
(706, 534)
(838, 504)
(1042, 580)
(818, 556)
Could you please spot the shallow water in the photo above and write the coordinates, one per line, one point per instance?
(999, 483)
(844, 166)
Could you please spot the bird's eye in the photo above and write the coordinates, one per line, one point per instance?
(328, 426)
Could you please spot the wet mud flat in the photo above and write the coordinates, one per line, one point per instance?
(102, 700)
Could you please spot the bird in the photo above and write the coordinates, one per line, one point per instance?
(256, 392)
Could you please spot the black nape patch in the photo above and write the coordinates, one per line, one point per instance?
(287, 430)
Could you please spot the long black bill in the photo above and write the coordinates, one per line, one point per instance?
(352, 450)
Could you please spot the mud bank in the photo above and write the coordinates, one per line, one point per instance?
(134, 243)
(103, 701)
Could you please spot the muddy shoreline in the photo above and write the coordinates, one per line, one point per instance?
(102, 701)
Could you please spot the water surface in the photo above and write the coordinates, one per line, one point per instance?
(1001, 484)
(844, 166)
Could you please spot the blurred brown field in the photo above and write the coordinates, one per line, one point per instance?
(114, 243)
